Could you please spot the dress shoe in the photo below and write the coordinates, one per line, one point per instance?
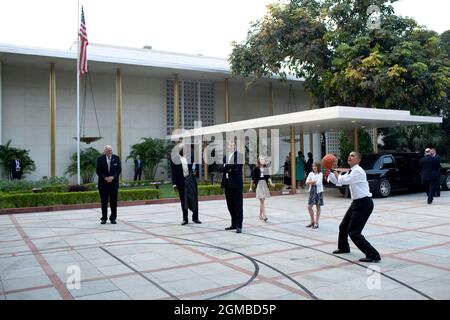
(113, 222)
(196, 221)
(230, 228)
(238, 230)
(367, 259)
(103, 222)
(339, 251)
(184, 222)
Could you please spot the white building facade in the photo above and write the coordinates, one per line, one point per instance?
(143, 79)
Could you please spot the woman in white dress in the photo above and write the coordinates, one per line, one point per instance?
(261, 179)
(315, 183)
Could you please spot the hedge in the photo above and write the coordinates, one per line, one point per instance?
(63, 198)
(30, 199)
(210, 190)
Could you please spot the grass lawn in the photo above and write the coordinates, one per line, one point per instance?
(167, 191)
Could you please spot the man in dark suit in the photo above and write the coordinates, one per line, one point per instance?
(430, 169)
(108, 171)
(232, 183)
(184, 181)
(16, 168)
(138, 165)
(438, 188)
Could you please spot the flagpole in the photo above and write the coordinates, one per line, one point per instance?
(78, 96)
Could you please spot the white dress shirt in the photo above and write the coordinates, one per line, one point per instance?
(230, 160)
(318, 178)
(184, 164)
(356, 179)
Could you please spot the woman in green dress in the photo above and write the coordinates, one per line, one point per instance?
(300, 169)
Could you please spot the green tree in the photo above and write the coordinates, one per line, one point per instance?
(152, 152)
(88, 164)
(345, 147)
(8, 153)
(365, 142)
(413, 138)
(343, 62)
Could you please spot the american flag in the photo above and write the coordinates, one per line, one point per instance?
(82, 67)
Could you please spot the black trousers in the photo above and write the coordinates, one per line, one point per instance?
(16, 175)
(235, 202)
(184, 205)
(137, 174)
(109, 194)
(431, 188)
(352, 225)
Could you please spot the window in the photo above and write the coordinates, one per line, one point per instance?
(388, 163)
(196, 100)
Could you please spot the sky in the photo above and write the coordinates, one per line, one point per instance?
(187, 26)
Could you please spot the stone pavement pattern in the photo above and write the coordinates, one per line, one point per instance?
(149, 255)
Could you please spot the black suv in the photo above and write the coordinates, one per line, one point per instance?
(390, 172)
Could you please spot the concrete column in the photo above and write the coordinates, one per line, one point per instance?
(302, 142)
(119, 107)
(227, 102)
(52, 122)
(375, 140)
(1, 121)
(205, 162)
(356, 139)
(317, 148)
(243, 158)
(293, 181)
(176, 103)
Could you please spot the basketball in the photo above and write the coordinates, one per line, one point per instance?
(327, 161)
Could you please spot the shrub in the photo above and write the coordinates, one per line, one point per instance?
(64, 198)
(345, 147)
(88, 164)
(151, 152)
(78, 188)
(365, 142)
(7, 154)
(27, 186)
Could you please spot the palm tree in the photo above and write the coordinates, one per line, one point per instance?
(152, 152)
(8, 153)
(88, 164)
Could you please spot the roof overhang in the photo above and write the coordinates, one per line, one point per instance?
(320, 120)
(132, 61)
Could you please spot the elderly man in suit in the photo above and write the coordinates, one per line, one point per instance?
(232, 183)
(108, 170)
(184, 181)
(16, 168)
(430, 169)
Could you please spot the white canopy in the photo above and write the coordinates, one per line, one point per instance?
(320, 120)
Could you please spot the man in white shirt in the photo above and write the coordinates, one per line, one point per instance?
(359, 212)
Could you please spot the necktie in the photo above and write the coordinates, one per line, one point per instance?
(109, 164)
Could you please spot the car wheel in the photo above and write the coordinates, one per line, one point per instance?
(446, 184)
(384, 188)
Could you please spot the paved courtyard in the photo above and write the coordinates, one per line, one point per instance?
(149, 255)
